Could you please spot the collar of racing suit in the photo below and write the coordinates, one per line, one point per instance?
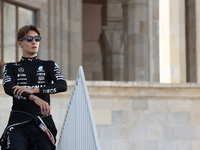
(29, 60)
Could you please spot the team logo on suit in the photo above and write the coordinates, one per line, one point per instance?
(40, 68)
(21, 69)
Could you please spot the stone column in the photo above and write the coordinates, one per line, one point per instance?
(154, 40)
(111, 42)
(138, 40)
(125, 39)
(64, 39)
(57, 23)
(57, 34)
(191, 41)
(75, 37)
(51, 29)
(172, 41)
(54, 29)
(112, 49)
(197, 7)
(42, 22)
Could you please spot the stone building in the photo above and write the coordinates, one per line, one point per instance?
(144, 42)
(116, 40)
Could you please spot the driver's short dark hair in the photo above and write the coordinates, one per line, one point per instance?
(25, 29)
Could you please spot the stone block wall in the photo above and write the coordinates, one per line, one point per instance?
(144, 116)
(149, 124)
(134, 116)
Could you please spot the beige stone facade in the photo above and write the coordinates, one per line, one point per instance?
(133, 115)
(121, 40)
(144, 42)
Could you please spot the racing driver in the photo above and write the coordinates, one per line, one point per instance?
(30, 82)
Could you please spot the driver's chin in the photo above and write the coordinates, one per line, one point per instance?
(33, 52)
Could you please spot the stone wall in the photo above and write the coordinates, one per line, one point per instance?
(130, 115)
(147, 117)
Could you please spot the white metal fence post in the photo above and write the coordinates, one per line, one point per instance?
(79, 130)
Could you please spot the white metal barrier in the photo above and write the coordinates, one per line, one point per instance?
(79, 130)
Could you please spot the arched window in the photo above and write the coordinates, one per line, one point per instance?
(13, 16)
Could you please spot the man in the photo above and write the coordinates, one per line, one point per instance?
(30, 82)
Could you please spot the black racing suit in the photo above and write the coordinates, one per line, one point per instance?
(32, 73)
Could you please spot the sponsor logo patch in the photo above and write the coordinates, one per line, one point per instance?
(21, 75)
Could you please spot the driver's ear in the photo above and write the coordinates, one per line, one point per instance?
(20, 44)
